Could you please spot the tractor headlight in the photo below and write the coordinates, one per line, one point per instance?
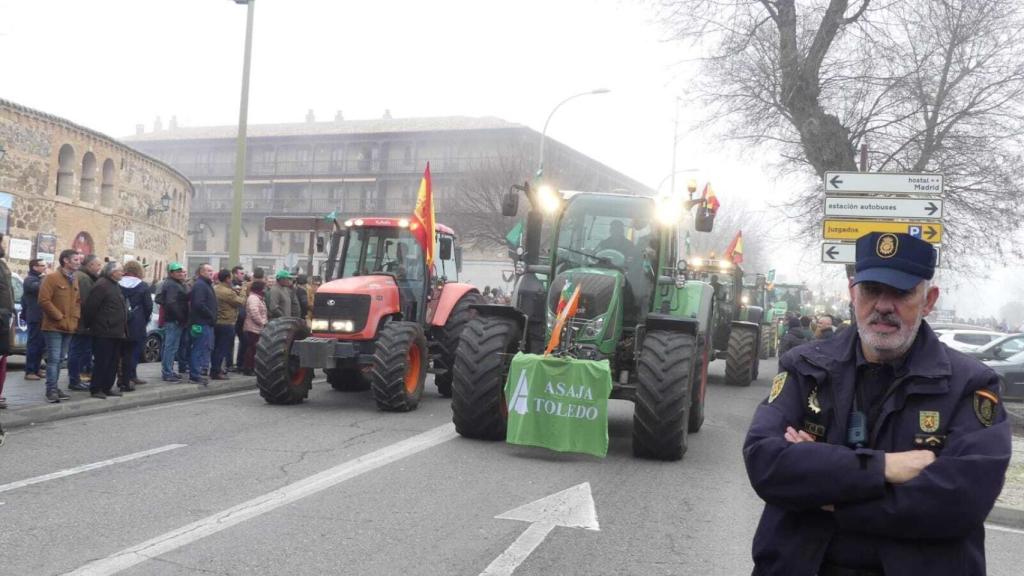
(342, 326)
(696, 263)
(745, 300)
(592, 329)
(319, 325)
(669, 210)
(549, 199)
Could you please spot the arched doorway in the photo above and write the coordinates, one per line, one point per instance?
(66, 171)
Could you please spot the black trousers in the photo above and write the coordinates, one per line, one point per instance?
(106, 355)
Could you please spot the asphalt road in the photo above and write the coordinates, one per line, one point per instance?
(230, 485)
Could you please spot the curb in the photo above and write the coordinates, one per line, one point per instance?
(1006, 517)
(39, 414)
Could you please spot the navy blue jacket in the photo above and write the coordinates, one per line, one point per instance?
(140, 306)
(202, 303)
(30, 309)
(931, 525)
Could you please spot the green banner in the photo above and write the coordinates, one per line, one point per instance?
(558, 403)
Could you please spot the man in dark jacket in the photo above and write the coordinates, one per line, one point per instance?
(173, 300)
(80, 350)
(797, 333)
(105, 315)
(202, 316)
(879, 451)
(33, 316)
(302, 294)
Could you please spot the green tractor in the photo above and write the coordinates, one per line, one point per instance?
(786, 300)
(755, 293)
(736, 326)
(638, 309)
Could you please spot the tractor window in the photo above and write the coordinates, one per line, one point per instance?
(616, 228)
(383, 249)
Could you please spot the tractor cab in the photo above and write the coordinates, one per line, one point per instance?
(726, 279)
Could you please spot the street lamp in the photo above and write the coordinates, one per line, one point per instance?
(691, 184)
(540, 160)
(235, 232)
(165, 205)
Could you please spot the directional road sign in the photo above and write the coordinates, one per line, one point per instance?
(882, 207)
(853, 229)
(846, 253)
(883, 182)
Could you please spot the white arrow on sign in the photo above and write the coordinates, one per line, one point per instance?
(572, 508)
(883, 182)
(846, 253)
(883, 207)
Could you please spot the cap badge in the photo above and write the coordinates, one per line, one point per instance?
(887, 246)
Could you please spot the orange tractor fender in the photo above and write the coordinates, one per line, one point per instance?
(451, 293)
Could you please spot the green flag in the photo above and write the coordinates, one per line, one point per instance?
(558, 403)
(515, 235)
(332, 216)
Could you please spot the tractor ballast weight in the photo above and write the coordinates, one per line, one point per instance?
(637, 309)
(382, 320)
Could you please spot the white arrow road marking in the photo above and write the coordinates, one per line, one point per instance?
(572, 508)
(262, 504)
(87, 467)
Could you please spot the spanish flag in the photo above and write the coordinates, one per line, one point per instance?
(422, 223)
(709, 199)
(735, 250)
(566, 311)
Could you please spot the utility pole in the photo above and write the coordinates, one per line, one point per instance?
(235, 233)
(675, 145)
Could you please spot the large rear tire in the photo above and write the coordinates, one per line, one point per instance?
(399, 366)
(278, 375)
(347, 379)
(764, 347)
(448, 337)
(661, 410)
(699, 388)
(741, 357)
(478, 389)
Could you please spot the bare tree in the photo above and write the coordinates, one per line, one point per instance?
(927, 85)
(474, 207)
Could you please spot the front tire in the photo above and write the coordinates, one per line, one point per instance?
(661, 411)
(449, 336)
(699, 388)
(741, 358)
(280, 378)
(399, 366)
(478, 388)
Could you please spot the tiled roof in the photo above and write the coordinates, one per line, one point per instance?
(344, 127)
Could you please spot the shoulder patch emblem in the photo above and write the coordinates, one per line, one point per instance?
(777, 383)
(928, 420)
(985, 407)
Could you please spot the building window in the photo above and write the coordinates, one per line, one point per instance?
(199, 242)
(107, 189)
(297, 242)
(87, 190)
(407, 156)
(264, 243)
(66, 171)
(338, 159)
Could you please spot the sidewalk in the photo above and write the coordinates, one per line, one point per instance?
(27, 405)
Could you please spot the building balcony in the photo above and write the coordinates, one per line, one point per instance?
(352, 168)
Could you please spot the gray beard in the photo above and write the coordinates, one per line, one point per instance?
(886, 354)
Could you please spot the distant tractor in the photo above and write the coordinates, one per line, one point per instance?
(736, 326)
(638, 310)
(755, 294)
(788, 300)
(382, 322)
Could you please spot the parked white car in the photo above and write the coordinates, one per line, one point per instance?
(968, 340)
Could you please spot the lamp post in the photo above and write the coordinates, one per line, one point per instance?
(543, 134)
(165, 205)
(235, 233)
(691, 184)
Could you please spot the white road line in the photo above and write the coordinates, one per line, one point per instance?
(87, 467)
(262, 504)
(1003, 528)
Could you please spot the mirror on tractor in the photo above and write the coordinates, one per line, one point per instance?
(320, 243)
(510, 203)
(704, 219)
(445, 245)
(458, 259)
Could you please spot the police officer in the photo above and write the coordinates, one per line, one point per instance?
(879, 451)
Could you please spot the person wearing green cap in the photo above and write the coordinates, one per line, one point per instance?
(282, 301)
(173, 300)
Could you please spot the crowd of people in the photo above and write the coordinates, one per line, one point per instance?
(92, 317)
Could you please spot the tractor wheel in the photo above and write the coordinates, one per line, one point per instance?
(699, 389)
(347, 379)
(661, 412)
(399, 366)
(764, 348)
(449, 335)
(280, 379)
(478, 389)
(741, 357)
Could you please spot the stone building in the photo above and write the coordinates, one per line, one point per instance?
(63, 185)
(357, 167)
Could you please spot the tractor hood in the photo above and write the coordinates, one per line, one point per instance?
(373, 284)
(600, 297)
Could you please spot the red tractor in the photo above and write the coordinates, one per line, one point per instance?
(382, 322)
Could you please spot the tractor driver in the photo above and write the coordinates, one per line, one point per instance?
(617, 240)
(403, 266)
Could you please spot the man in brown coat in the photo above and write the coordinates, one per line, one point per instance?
(61, 304)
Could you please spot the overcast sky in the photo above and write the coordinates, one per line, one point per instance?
(112, 64)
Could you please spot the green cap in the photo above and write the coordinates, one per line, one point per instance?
(174, 267)
(283, 275)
